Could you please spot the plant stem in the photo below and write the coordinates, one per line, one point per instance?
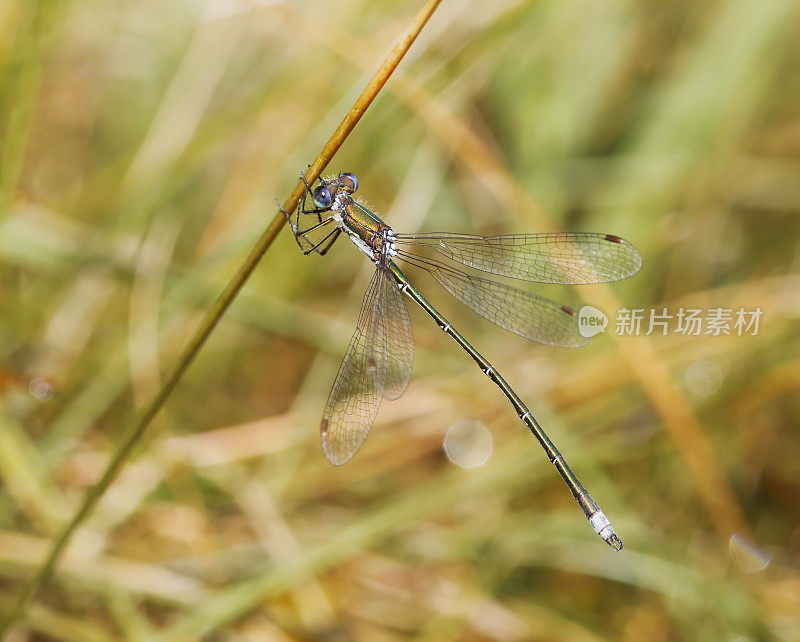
(132, 437)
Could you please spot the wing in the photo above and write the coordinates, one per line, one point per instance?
(393, 347)
(544, 258)
(522, 313)
(377, 364)
(353, 401)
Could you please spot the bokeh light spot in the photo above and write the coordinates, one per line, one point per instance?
(703, 377)
(40, 388)
(468, 443)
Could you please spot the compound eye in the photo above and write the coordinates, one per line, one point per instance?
(322, 196)
(350, 180)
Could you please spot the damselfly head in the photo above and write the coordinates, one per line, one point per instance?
(328, 188)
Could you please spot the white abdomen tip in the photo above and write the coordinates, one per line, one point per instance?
(603, 528)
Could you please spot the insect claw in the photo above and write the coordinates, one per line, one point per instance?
(287, 215)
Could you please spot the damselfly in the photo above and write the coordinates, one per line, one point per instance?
(378, 360)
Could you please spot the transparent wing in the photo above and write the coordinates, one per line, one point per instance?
(520, 312)
(393, 346)
(544, 258)
(354, 400)
(377, 364)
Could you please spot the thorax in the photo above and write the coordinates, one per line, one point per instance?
(365, 229)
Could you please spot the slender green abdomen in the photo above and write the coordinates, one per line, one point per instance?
(585, 501)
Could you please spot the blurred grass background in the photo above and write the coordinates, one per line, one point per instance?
(141, 146)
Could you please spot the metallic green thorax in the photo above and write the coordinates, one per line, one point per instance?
(365, 228)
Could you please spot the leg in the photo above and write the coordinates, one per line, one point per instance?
(333, 236)
(315, 226)
(301, 209)
(295, 226)
(300, 235)
(316, 248)
(302, 206)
